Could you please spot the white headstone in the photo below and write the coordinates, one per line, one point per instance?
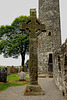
(22, 76)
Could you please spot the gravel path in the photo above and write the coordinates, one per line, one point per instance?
(47, 84)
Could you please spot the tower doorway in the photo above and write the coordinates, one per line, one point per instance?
(50, 63)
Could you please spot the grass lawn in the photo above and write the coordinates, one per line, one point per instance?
(13, 80)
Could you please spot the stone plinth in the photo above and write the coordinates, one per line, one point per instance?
(33, 90)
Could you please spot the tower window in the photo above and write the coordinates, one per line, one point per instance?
(49, 34)
(58, 58)
(59, 63)
(65, 63)
(65, 60)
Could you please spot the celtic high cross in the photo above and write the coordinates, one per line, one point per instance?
(33, 28)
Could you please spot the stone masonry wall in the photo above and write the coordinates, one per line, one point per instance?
(49, 41)
(60, 68)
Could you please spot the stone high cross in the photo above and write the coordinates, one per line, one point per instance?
(33, 28)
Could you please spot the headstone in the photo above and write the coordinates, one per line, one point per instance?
(16, 70)
(33, 27)
(12, 69)
(20, 69)
(8, 70)
(3, 75)
(22, 76)
(25, 68)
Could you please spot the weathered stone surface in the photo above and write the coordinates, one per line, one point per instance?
(34, 27)
(60, 68)
(33, 63)
(3, 75)
(49, 14)
(22, 76)
(34, 90)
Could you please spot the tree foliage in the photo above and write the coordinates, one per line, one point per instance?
(14, 42)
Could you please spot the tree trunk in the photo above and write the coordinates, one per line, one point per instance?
(23, 59)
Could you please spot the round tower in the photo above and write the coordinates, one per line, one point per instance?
(48, 42)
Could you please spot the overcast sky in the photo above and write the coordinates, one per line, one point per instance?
(10, 9)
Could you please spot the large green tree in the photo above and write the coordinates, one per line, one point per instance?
(13, 41)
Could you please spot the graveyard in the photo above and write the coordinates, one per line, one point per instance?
(13, 80)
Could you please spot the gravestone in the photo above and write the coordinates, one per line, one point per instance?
(33, 28)
(12, 69)
(3, 75)
(22, 76)
(8, 70)
(15, 70)
(25, 68)
(20, 69)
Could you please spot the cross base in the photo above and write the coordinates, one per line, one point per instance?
(33, 90)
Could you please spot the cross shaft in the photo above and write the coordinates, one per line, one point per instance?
(33, 27)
